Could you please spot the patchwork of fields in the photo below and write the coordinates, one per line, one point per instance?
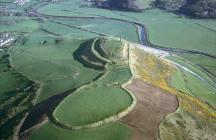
(74, 71)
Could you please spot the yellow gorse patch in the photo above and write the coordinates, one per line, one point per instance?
(158, 72)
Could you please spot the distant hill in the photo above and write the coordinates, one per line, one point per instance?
(171, 5)
(131, 5)
(194, 8)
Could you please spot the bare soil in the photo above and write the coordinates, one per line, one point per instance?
(152, 105)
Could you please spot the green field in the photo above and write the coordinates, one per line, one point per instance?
(113, 131)
(174, 31)
(66, 31)
(184, 125)
(188, 83)
(108, 27)
(18, 24)
(193, 81)
(116, 76)
(16, 95)
(51, 63)
(91, 104)
(207, 64)
(72, 8)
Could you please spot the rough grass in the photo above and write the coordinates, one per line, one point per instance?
(72, 8)
(169, 30)
(184, 125)
(66, 31)
(165, 29)
(187, 82)
(209, 64)
(11, 81)
(192, 85)
(172, 128)
(194, 68)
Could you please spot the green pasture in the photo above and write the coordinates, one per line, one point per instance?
(116, 76)
(18, 24)
(109, 27)
(52, 60)
(74, 8)
(63, 30)
(91, 104)
(186, 82)
(57, 86)
(10, 82)
(113, 131)
(175, 31)
(208, 63)
(187, 63)
(16, 95)
(51, 63)
(165, 29)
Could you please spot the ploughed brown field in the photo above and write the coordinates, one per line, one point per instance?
(152, 105)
